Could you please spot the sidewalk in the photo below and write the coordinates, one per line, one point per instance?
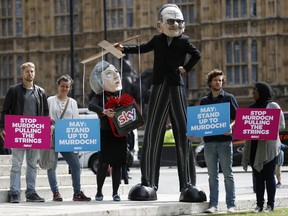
(167, 204)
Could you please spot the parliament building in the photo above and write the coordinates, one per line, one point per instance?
(247, 39)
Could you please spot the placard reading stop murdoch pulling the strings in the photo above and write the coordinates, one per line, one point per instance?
(256, 124)
(31, 132)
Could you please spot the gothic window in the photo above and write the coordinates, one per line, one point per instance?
(228, 8)
(243, 8)
(62, 16)
(236, 62)
(229, 52)
(253, 8)
(11, 14)
(254, 61)
(18, 64)
(236, 8)
(119, 13)
(188, 9)
(6, 74)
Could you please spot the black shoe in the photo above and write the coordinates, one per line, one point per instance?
(99, 197)
(268, 209)
(116, 198)
(14, 198)
(258, 209)
(34, 197)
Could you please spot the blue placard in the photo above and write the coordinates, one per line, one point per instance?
(208, 120)
(77, 135)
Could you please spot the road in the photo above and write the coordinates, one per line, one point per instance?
(169, 183)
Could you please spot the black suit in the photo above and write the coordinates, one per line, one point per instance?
(167, 98)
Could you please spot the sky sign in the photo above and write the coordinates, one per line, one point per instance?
(257, 124)
(31, 132)
(208, 120)
(77, 135)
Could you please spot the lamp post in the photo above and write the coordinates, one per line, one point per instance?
(72, 43)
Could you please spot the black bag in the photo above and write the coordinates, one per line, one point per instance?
(127, 119)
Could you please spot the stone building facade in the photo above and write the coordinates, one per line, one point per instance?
(247, 39)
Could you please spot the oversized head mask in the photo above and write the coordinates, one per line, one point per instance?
(171, 21)
(105, 76)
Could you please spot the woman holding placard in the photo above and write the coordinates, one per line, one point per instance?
(61, 106)
(262, 154)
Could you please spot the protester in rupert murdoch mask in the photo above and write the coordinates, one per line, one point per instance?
(105, 82)
(167, 98)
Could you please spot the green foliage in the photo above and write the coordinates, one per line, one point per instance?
(276, 212)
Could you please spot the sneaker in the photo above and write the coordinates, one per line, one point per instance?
(116, 198)
(258, 209)
(34, 197)
(278, 185)
(14, 198)
(99, 197)
(212, 210)
(268, 209)
(231, 210)
(57, 197)
(81, 197)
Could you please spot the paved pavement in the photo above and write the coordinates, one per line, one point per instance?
(167, 203)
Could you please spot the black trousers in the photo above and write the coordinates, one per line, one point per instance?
(265, 179)
(165, 100)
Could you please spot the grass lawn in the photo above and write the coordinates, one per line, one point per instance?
(276, 212)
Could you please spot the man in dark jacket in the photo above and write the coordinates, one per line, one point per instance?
(167, 97)
(218, 149)
(27, 99)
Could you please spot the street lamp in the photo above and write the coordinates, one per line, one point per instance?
(72, 43)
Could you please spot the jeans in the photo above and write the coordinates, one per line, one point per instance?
(73, 161)
(215, 153)
(32, 157)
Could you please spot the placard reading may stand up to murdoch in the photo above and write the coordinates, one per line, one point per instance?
(77, 135)
(256, 124)
(208, 120)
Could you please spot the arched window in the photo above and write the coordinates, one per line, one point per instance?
(235, 9)
(237, 63)
(254, 51)
(229, 52)
(243, 8)
(254, 61)
(236, 52)
(253, 8)
(228, 8)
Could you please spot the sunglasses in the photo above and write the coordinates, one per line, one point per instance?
(172, 21)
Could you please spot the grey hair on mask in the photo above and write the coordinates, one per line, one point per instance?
(95, 80)
(160, 17)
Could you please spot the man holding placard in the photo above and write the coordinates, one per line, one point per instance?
(218, 148)
(25, 99)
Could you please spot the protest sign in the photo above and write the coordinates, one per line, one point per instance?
(77, 135)
(256, 124)
(208, 120)
(31, 132)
